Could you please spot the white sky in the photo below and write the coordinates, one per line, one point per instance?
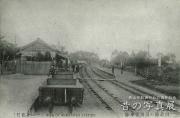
(94, 25)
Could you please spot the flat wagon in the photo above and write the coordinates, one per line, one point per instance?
(61, 89)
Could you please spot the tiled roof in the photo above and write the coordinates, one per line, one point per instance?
(37, 44)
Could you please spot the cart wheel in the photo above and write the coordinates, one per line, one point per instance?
(36, 105)
(50, 107)
(72, 104)
(71, 108)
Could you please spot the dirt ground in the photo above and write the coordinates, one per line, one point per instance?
(17, 92)
(171, 90)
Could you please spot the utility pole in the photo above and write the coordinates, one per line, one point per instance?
(159, 64)
(148, 54)
(15, 40)
(59, 47)
(148, 48)
(15, 55)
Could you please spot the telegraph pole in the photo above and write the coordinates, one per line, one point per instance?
(15, 39)
(15, 55)
(148, 49)
(159, 64)
(148, 54)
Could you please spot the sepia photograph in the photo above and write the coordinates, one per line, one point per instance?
(89, 58)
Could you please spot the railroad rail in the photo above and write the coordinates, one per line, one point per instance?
(116, 99)
(90, 88)
(131, 89)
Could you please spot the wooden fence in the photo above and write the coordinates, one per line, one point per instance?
(32, 67)
(7, 67)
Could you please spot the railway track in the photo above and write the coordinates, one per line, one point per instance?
(117, 83)
(126, 87)
(109, 100)
(116, 100)
(90, 88)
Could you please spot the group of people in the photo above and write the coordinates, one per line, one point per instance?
(74, 67)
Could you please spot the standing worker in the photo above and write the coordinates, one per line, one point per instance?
(52, 71)
(77, 68)
(113, 69)
(73, 67)
(122, 67)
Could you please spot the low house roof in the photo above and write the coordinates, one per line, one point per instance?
(39, 45)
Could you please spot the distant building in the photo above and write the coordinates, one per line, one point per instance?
(37, 46)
